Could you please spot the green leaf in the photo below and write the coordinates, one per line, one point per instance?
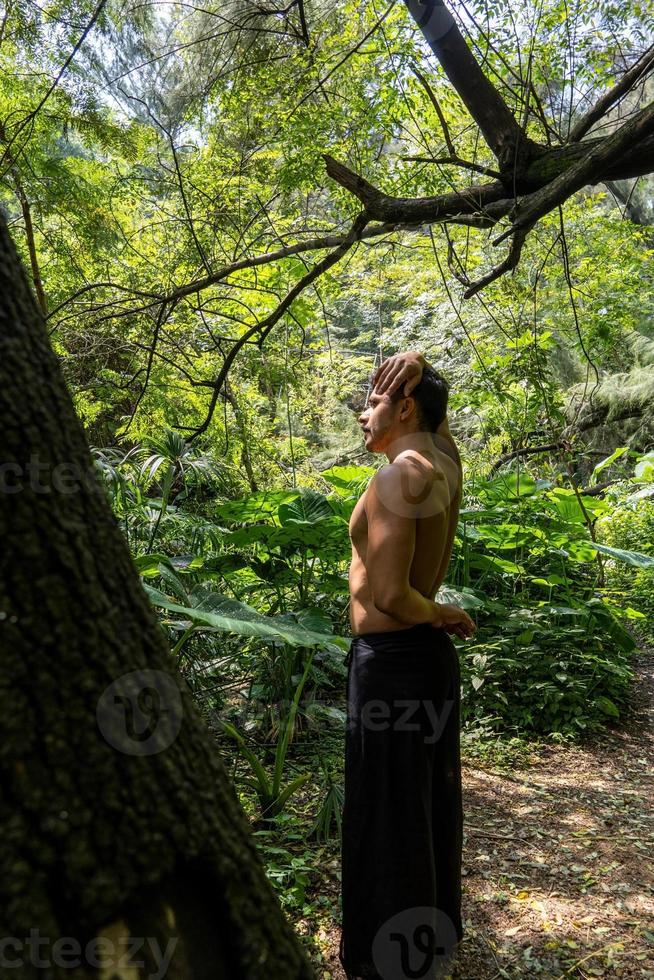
(256, 507)
(509, 486)
(232, 616)
(262, 777)
(607, 706)
(348, 480)
(308, 508)
(282, 744)
(602, 465)
(635, 558)
(148, 565)
(567, 504)
(290, 789)
(644, 468)
(465, 598)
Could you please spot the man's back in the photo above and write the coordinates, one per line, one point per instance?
(429, 494)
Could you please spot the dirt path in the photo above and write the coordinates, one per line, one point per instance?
(559, 859)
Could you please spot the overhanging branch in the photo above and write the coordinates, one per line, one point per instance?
(478, 199)
(263, 328)
(600, 158)
(497, 123)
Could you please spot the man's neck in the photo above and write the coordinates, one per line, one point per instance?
(418, 440)
(424, 442)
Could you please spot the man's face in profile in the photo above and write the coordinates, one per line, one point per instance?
(379, 421)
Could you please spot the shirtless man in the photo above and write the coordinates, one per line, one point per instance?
(402, 529)
(402, 813)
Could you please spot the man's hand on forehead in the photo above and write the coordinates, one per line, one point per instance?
(401, 368)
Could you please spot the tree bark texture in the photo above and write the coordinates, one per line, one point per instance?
(107, 826)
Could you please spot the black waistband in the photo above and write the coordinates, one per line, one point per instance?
(393, 636)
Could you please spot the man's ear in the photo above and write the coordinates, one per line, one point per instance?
(408, 405)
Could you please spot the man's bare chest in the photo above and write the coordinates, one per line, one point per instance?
(358, 527)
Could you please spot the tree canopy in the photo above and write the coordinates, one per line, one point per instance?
(193, 148)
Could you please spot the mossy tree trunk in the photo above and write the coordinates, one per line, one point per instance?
(118, 820)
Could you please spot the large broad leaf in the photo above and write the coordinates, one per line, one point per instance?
(492, 561)
(148, 565)
(257, 507)
(635, 558)
(307, 508)
(323, 533)
(602, 465)
(187, 563)
(342, 506)
(466, 599)
(508, 486)
(508, 535)
(567, 504)
(644, 469)
(607, 706)
(314, 619)
(581, 551)
(611, 628)
(231, 616)
(348, 480)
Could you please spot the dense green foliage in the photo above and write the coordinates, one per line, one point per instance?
(181, 141)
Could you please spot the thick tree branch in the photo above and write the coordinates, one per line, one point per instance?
(477, 199)
(527, 451)
(600, 158)
(484, 103)
(557, 172)
(25, 206)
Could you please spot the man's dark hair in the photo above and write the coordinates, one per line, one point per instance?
(431, 396)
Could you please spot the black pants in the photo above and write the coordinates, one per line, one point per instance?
(402, 822)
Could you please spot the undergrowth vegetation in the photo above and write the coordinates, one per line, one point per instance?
(253, 593)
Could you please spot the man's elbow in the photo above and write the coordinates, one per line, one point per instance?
(389, 601)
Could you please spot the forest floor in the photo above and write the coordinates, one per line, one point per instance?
(557, 860)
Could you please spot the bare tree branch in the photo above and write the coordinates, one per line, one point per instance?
(265, 326)
(439, 112)
(527, 451)
(509, 263)
(34, 112)
(456, 161)
(637, 72)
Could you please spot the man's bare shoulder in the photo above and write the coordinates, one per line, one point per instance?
(411, 486)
